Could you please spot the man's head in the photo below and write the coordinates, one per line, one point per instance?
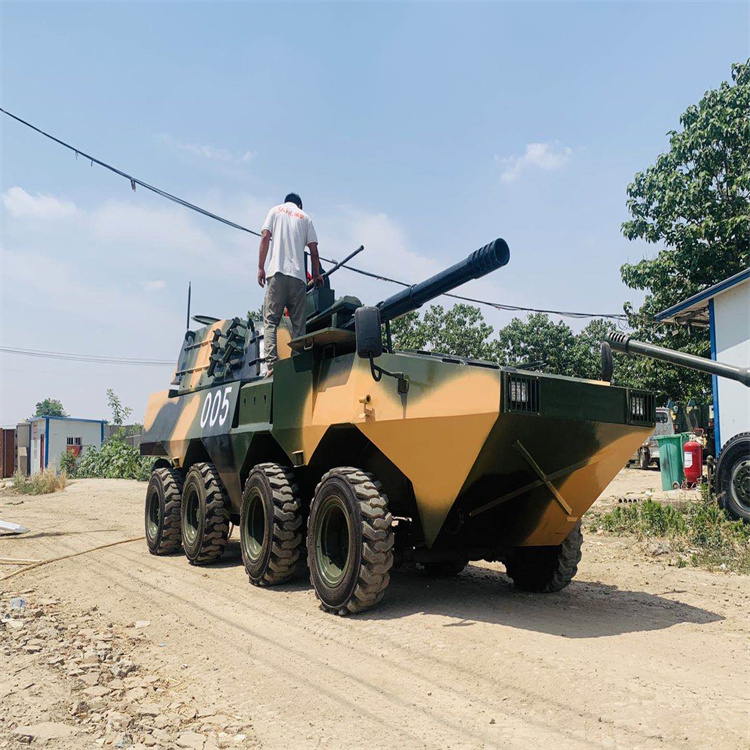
(294, 198)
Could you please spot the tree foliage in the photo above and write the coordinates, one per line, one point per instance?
(119, 412)
(536, 341)
(115, 459)
(695, 201)
(50, 407)
(460, 330)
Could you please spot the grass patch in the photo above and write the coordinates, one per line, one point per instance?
(40, 484)
(698, 532)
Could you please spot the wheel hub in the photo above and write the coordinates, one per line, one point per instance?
(154, 513)
(255, 527)
(192, 506)
(332, 541)
(740, 484)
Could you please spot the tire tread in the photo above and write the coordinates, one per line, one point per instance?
(377, 541)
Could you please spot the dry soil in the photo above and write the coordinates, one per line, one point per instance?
(633, 654)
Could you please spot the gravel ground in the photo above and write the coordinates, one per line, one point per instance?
(120, 648)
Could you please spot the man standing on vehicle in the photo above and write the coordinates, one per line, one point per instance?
(287, 230)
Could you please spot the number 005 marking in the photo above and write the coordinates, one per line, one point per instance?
(216, 406)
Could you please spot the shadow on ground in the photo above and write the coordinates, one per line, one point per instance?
(586, 609)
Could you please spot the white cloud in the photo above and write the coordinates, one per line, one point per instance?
(21, 204)
(153, 286)
(209, 152)
(545, 156)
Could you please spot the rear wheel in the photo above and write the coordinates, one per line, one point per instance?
(546, 569)
(448, 569)
(733, 477)
(205, 515)
(271, 525)
(163, 498)
(349, 541)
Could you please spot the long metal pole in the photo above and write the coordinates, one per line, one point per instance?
(338, 265)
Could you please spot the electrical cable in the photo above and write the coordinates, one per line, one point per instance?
(133, 180)
(496, 305)
(91, 358)
(193, 207)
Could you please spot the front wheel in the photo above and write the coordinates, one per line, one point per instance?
(733, 477)
(546, 569)
(349, 541)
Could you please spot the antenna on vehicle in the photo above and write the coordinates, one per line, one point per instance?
(187, 326)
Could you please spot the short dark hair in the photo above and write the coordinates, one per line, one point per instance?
(294, 198)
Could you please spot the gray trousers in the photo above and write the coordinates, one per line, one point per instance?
(282, 292)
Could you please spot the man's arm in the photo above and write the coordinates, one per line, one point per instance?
(265, 241)
(317, 278)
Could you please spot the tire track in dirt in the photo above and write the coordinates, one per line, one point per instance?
(340, 632)
(307, 668)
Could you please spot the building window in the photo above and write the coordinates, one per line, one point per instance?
(74, 441)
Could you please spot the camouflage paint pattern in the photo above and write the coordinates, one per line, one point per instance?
(457, 451)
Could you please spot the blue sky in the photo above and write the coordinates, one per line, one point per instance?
(421, 130)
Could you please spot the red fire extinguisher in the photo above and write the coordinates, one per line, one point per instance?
(693, 461)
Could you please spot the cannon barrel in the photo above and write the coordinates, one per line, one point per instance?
(481, 262)
(624, 343)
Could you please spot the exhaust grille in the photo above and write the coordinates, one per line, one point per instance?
(641, 407)
(521, 394)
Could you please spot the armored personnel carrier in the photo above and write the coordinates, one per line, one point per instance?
(355, 457)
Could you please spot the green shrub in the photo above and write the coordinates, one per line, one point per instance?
(697, 528)
(68, 463)
(114, 460)
(40, 484)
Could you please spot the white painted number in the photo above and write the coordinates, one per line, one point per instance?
(225, 405)
(216, 406)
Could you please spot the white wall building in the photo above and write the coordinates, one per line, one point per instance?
(725, 309)
(50, 437)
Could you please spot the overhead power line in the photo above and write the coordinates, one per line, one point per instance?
(134, 181)
(90, 358)
(496, 305)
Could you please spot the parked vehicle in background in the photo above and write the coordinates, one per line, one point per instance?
(731, 482)
(648, 453)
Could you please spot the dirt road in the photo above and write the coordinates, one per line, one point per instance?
(633, 654)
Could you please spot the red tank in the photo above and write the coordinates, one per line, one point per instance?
(693, 461)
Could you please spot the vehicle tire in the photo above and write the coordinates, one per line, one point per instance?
(349, 541)
(644, 458)
(162, 517)
(546, 569)
(271, 525)
(448, 569)
(205, 515)
(732, 482)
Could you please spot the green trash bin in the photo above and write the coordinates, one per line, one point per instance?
(671, 459)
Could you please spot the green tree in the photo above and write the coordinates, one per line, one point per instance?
(119, 412)
(50, 407)
(537, 339)
(695, 201)
(460, 330)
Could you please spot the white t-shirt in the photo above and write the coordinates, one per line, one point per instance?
(291, 231)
